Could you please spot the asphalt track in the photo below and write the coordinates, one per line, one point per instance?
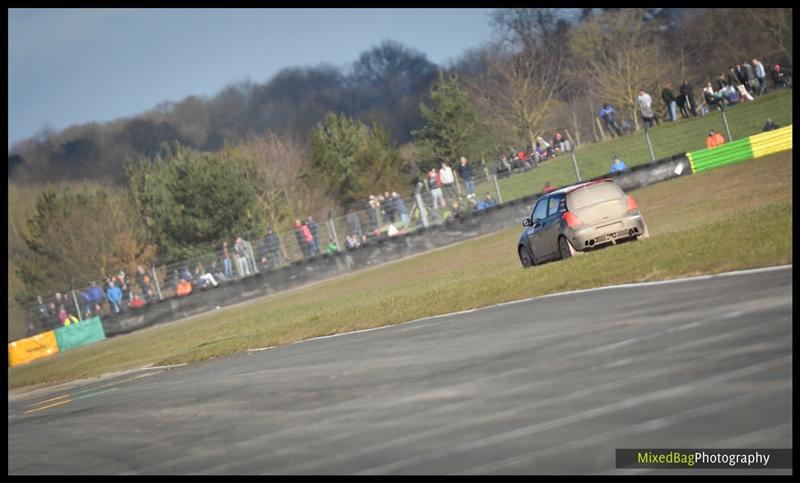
(548, 385)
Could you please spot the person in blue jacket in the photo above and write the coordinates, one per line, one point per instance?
(618, 165)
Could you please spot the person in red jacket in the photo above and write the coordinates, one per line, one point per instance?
(714, 139)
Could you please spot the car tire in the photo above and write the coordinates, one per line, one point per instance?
(525, 257)
(565, 248)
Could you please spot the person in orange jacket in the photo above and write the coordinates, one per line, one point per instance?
(714, 139)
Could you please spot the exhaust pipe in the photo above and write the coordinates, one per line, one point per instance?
(591, 243)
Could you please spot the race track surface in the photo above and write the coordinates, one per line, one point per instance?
(548, 385)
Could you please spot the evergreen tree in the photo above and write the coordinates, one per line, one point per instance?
(452, 127)
(353, 160)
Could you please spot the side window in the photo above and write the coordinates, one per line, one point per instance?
(556, 205)
(540, 212)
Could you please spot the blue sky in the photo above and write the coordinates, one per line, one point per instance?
(68, 66)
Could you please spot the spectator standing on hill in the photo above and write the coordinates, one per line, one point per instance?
(714, 139)
(437, 198)
(645, 109)
(618, 166)
(686, 93)
(388, 206)
(669, 101)
(752, 81)
(240, 252)
(607, 114)
(761, 76)
(354, 224)
(312, 227)
(273, 248)
(465, 171)
(301, 239)
(373, 217)
(114, 295)
(448, 181)
(226, 261)
(400, 207)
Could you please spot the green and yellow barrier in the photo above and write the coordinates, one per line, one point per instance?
(741, 149)
(82, 333)
(52, 342)
(35, 347)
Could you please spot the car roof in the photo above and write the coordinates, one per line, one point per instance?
(571, 188)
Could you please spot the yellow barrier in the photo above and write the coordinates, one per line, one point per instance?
(772, 141)
(35, 347)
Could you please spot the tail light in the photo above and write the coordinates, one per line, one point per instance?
(571, 219)
(632, 204)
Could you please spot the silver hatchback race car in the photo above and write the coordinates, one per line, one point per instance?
(578, 218)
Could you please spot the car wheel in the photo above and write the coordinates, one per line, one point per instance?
(525, 257)
(565, 248)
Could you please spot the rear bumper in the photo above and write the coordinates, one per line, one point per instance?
(626, 228)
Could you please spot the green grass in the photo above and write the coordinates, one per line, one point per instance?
(699, 224)
(667, 139)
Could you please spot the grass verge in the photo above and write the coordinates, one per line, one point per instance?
(699, 224)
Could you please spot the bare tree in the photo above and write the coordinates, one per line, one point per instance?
(616, 54)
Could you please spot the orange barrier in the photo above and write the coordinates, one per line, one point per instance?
(35, 347)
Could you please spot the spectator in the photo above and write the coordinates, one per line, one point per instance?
(454, 210)
(250, 256)
(354, 224)
(487, 202)
(272, 245)
(688, 96)
(448, 180)
(714, 139)
(436, 191)
(42, 312)
(561, 143)
(299, 234)
(226, 261)
(352, 241)
(761, 76)
(123, 285)
(114, 295)
(312, 227)
(645, 109)
(770, 126)
(186, 274)
(713, 99)
(465, 171)
(669, 101)
(400, 207)
(203, 278)
(607, 114)
(240, 252)
(96, 296)
(548, 187)
(733, 77)
(388, 207)
(752, 81)
(142, 280)
(332, 247)
(373, 219)
(779, 77)
(618, 165)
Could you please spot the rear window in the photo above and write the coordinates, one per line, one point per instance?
(594, 194)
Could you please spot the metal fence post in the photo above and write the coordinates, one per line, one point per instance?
(332, 227)
(725, 121)
(649, 146)
(575, 165)
(155, 278)
(497, 189)
(77, 307)
(421, 207)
